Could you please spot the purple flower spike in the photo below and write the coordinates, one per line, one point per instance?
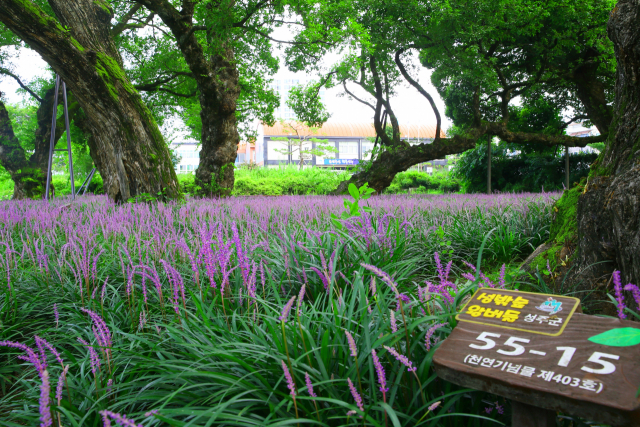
(301, 297)
(392, 318)
(433, 406)
(617, 285)
(120, 419)
(286, 309)
(45, 391)
(427, 339)
(356, 395)
(290, 384)
(95, 360)
(635, 292)
(382, 379)
(61, 380)
(56, 314)
(383, 276)
(307, 379)
(352, 344)
(401, 358)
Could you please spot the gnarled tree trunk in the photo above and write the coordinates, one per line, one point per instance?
(29, 180)
(127, 146)
(608, 211)
(218, 90)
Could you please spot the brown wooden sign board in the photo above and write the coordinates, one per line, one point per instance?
(566, 372)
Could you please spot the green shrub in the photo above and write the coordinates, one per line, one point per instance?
(518, 173)
(421, 183)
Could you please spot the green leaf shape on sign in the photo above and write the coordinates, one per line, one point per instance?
(620, 337)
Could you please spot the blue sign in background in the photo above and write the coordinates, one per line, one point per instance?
(341, 162)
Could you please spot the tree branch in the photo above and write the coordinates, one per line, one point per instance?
(344, 84)
(420, 89)
(244, 20)
(22, 85)
(121, 26)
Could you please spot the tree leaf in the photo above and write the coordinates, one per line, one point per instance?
(619, 337)
(353, 190)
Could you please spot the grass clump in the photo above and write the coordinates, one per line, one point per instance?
(206, 302)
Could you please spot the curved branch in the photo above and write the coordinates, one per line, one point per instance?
(22, 85)
(344, 84)
(420, 89)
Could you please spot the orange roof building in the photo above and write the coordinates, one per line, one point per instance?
(350, 143)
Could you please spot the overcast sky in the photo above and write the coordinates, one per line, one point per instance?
(409, 105)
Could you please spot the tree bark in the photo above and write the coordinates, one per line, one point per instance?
(217, 79)
(591, 93)
(28, 180)
(608, 211)
(132, 156)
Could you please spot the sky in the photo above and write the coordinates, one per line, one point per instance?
(410, 107)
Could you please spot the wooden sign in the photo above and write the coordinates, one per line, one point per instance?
(522, 311)
(591, 368)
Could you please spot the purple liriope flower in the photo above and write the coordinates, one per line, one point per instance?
(402, 298)
(307, 380)
(401, 358)
(356, 395)
(352, 344)
(101, 331)
(94, 268)
(95, 360)
(42, 342)
(120, 419)
(109, 385)
(499, 408)
(434, 405)
(427, 338)
(382, 378)
(56, 314)
(143, 320)
(619, 297)
(372, 286)
(151, 413)
(286, 309)
(323, 278)
(392, 318)
(383, 276)
(43, 355)
(30, 357)
(301, 297)
(548, 267)
(501, 282)
(351, 413)
(45, 392)
(104, 289)
(635, 292)
(290, 384)
(488, 409)
(61, 380)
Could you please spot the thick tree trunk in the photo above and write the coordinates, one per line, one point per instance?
(608, 211)
(29, 179)
(218, 89)
(591, 92)
(131, 154)
(220, 139)
(29, 175)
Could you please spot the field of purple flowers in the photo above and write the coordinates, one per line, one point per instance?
(247, 311)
